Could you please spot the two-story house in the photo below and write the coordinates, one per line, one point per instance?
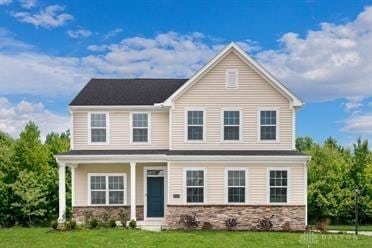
(218, 145)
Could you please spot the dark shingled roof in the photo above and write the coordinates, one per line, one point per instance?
(188, 152)
(126, 91)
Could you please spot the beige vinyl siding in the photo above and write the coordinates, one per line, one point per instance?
(256, 187)
(120, 132)
(81, 180)
(210, 92)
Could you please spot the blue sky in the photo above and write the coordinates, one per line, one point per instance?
(322, 50)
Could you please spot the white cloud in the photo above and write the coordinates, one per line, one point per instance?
(359, 124)
(330, 63)
(13, 117)
(5, 2)
(28, 4)
(9, 43)
(112, 33)
(353, 103)
(79, 33)
(50, 17)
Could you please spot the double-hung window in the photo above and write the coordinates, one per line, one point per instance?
(195, 185)
(107, 189)
(140, 127)
(98, 127)
(236, 185)
(268, 127)
(231, 125)
(195, 125)
(278, 186)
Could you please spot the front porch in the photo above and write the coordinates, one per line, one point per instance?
(138, 188)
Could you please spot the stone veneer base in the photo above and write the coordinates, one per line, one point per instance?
(285, 217)
(98, 211)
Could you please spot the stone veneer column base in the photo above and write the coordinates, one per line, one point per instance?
(248, 216)
(98, 211)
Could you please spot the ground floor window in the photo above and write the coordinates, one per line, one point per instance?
(278, 186)
(236, 185)
(107, 189)
(195, 185)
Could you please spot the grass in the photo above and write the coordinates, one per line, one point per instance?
(42, 237)
(350, 227)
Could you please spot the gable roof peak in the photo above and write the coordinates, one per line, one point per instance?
(295, 101)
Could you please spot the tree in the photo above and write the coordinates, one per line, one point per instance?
(304, 144)
(31, 192)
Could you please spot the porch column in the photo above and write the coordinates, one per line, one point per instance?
(132, 190)
(73, 168)
(62, 191)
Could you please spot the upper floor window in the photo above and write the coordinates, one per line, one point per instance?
(98, 127)
(231, 125)
(140, 127)
(278, 186)
(268, 129)
(236, 185)
(195, 185)
(107, 189)
(232, 78)
(195, 125)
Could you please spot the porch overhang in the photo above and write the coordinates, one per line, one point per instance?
(143, 156)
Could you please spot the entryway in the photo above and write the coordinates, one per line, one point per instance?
(154, 182)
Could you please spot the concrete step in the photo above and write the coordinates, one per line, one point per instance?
(151, 228)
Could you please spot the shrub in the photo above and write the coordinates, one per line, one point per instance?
(286, 226)
(265, 224)
(132, 224)
(230, 223)
(112, 223)
(93, 223)
(71, 225)
(207, 226)
(88, 215)
(123, 215)
(106, 216)
(322, 225)
(54, 224)
(189, 221)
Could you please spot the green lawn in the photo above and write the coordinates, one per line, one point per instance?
(40, 237)
(350, 227)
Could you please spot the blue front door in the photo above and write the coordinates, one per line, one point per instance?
(155, 197)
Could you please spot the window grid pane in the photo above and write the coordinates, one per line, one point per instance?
(278, 185)
(195, 185)
(98, 135)
(268, 125)
(140, 134)
(195, 125)
(98, 120)
(236, 185)
(231, 120)
(100, 186)
(140, 120)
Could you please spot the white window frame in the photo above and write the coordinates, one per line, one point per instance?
(204, 110)
(204, 185)
(288, 185)
(107, 190)
(226, 198)
(227, 71)
(107, 129)
(148, 142)
(258, 116)
(223, 125)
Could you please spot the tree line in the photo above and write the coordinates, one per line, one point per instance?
(29, 178)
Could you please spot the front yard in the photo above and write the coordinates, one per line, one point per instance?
(40, 237)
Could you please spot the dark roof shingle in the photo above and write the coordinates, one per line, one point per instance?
(126, 91)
